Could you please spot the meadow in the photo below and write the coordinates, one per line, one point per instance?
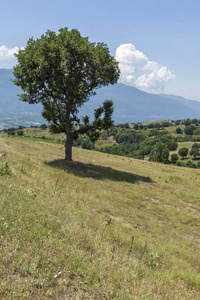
(99, 227)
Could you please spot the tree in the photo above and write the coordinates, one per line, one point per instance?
(189, 130)
(183, 152)
(62, 71)
(165, 155)
(174, 158)
(43, 126)
(179, 130)
(172, 145)
(195, 151)
(20, 132)
(156, 152)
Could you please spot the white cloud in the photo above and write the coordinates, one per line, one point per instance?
(6, 53)
(7, 58)
(155, 80)
(138, 71)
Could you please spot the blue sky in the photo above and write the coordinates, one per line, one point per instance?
(157, 42)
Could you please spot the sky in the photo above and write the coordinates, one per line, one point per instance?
(156, 42)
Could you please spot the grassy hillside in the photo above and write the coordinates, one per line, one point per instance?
(100, 227)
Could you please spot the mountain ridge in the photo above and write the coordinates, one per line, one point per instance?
(131, 104)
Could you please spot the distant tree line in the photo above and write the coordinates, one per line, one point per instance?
(153, 140)
(19, 130)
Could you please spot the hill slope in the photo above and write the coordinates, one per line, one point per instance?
(100, 227)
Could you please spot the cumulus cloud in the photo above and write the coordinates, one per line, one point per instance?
(6, 53)
(137, 70)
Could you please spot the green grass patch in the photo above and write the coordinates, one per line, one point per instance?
(100, 227)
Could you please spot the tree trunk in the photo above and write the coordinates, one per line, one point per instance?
(68, 148)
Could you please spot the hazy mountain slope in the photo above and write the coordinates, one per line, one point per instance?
(190, 103)
(131, 104)
(14, 112)
(8, 95)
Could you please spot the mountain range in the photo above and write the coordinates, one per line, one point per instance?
(131, 105)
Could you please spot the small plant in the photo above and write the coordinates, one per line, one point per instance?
(5, 169)
(153, 260)
(108, 222)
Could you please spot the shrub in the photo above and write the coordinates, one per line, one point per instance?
(180, 163)
(190, 164)
(195, 151)
(159, 153)
(189, 130)
(20, 132)
(11, 132)
(5, 170)
(179, 130)
(174, 158)
(183, 152)
(43, 126)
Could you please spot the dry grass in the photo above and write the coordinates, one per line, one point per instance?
(79, 218)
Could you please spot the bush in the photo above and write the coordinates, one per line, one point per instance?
(174, 158)
(159, 153)
(11, 132)
(180, 163)
(195, 151)
(172, 145)
(190, 164)
(198, 164)
(5, 170)
(189, 130)
(20, 132)
(43, 126)
(183, 152)
(179, 130)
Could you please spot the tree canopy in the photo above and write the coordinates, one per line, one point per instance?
(62, 71)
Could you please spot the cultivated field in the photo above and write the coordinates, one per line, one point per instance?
(100, 227)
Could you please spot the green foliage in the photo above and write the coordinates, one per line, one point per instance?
(174, 158)
(186, 122)
(43, 126)
(177, 122)
(172, 145)
(195, 151)
(153, 260)
(180, 163)
(11, 132)
(159, 153)
(5, 169)
(189, 130)
(20, 132)
(165, 155)
(62, 71)
(183, 152)
(179, 130)
(190, 164)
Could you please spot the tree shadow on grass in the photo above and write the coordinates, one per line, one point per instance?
(96, 172)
